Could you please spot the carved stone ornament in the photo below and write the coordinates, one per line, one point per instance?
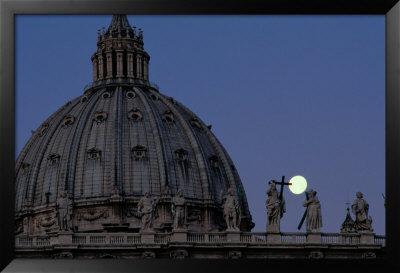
(235, 254)
(68, 120)
(107, 256)
(179, 254)
(63, 255)
(19, 228)
(46, 221)
(93, 214)
(100, 116)
(316, 255)
(168, 117)
(43, 129)
(369, 255)
(195, 123)
(148, 255)
(194, 215)
(135, 115)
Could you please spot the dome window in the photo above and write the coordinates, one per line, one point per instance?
(43, 129)
(168, 117)
(106, 95)
(154, 97)
(130, 94)
(214, 161)
(139, 152)
(93, 154)
(100, 116)
(135, 115)
(84, 99)
(25, 167)
(181, 155)
(172, 100)
(68, 120)
(53, 159)
(195, 123)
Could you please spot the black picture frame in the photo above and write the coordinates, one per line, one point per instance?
(8, 9)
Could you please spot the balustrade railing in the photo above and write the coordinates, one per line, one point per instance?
(121, 81)
(248, 238)
(380, 240)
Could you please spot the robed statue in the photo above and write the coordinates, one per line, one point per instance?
(178, 210)
(313, 213)
(64, 211)
(360, 209)
(275, 208)
(232, 212)
(146, 210)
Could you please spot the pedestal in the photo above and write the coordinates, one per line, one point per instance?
(367, 238)
(314, 238)
(65, 238)
(147, 237)
(179, 235)
(233, 236)
(273, 238)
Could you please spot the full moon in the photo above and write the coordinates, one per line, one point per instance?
(299, 184)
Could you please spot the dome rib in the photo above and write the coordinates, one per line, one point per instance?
(120, 125)
(220, 153)
(43, 147)
(82, 122)
(164, 179)
(28, 153)
(194, 144)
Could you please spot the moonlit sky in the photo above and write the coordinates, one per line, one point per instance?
(286, 95)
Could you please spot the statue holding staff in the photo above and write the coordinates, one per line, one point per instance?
(275, 208)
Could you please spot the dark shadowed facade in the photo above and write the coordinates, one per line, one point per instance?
(100, 177)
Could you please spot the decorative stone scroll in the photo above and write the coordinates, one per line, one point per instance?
(46, 221)
(148, 255)
(93, 214)
(179, 254)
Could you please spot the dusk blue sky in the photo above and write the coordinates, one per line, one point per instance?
(285, 95)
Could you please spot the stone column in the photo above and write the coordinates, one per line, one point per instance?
(101, 65)
(129, 65)
(109, 64)
(146, 69)
(95, 67)
(138, 66)
(120, 67)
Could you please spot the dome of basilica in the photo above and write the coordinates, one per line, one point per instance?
(121, 139)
